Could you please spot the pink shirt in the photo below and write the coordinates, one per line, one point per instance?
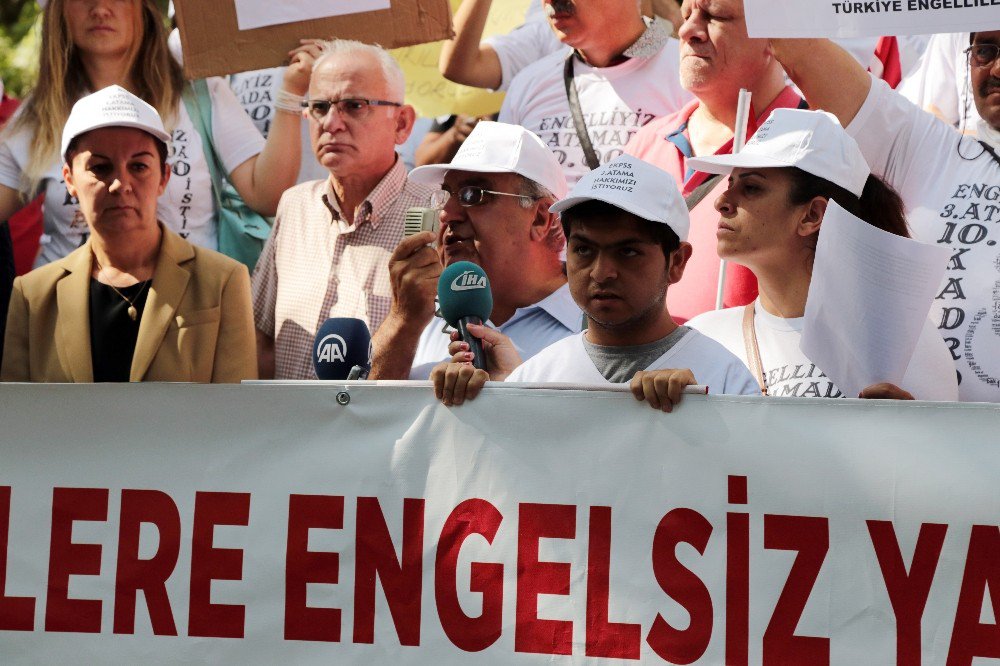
(665, 143)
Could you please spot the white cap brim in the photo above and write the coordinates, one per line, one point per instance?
(724, 164)
(433, 174)
(156, 134)
(624, 203)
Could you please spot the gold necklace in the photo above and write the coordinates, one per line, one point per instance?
(132, 311)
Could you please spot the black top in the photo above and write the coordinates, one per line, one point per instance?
(112, 331)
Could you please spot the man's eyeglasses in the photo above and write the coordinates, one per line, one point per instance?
(982, 55)
(353, 107)
(469, 196)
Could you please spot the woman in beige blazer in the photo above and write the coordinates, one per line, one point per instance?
(136, 302)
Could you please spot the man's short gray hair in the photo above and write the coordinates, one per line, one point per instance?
(391, 72)
(556, 239)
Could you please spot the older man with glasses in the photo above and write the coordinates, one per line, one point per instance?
(494, 203)
(328, 253)
(950, 185)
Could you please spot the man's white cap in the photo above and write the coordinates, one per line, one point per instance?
(500, 148)
(813, 141)
(112, 107)
(635, 186)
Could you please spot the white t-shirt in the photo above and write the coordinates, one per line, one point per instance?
(567, 361)
(788, 372)
(616, 101)
(951, 188)
(525, 44)
(940, 83)
(257, 92)
(188, 205)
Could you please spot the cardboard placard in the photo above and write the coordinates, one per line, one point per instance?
(213, 44)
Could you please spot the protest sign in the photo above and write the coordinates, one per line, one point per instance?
(297, 523)
(869, 18)
(214, 44)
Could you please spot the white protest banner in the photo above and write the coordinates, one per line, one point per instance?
(298, 523)
(252, 14)
(843, 19)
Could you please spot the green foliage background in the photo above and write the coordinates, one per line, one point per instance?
(19, 40)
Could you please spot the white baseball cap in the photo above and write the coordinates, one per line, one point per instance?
(635, 186)
(813, 141)
(112, 107)
(500, 148)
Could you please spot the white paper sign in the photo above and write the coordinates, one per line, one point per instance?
(252, 14)
(868, 300)
(868, 18)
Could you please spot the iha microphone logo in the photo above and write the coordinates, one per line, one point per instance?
(467, 281)
(332, 348)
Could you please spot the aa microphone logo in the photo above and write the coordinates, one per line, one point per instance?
(332, 348)
(468, 280)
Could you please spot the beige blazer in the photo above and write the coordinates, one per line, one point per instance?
(197, 325)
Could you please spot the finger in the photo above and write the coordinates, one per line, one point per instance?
(457, 347)
(487, 334)
(437, 376)
(649, 391)
(461, 383)
(636, 386)
(412, 245)
(678, 380)
(476, 383)
(462, 357)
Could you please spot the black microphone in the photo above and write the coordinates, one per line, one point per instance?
(465, 298)
(342, 346)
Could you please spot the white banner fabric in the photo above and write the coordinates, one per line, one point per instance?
(868, 18)
(294, 523)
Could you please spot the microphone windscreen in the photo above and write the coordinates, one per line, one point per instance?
(341, 343)
(464, 291)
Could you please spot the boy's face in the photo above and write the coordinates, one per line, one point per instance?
(618, 274)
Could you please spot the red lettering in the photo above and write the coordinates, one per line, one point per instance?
(472, 634)
(614, 640)
(16, 613)
(150, 576)
(737, 577)
(303, 566)
(536, 522)
(401, 581)
(67, 559)
(681, 646)
(908, 592)
(209, 563)
(810, 537)
(970, 638)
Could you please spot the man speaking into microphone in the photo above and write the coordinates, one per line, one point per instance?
(495, 197)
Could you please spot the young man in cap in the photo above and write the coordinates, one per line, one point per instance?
(496, 195)
(627, 226)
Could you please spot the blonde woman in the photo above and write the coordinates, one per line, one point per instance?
(88, 45)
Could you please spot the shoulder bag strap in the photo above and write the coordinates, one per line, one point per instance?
(988, 148)
(579, 124)
(199, 106)
(701, 191)
(753, 351)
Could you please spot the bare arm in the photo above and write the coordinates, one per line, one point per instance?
(440, 147)
(262, 179)
(464, 59)
(265, 356)
(829, 77)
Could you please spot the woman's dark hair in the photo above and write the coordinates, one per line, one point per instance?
(600, 210)
(879, 205)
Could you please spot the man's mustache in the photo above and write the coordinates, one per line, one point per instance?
(559, 7)
(989, 86)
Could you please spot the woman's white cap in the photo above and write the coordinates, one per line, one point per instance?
(634, 186)
(500, 148)
(813, 141)
(112, 107)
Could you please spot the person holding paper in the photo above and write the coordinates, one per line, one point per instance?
(949, 183)
(87, 46)
(626, 224)
(779, 190)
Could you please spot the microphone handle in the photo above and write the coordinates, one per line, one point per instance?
(475, 344)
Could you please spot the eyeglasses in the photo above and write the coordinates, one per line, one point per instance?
(353, 107)
(469, 196)
(982, 55)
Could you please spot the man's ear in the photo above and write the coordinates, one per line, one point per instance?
(677, 262)
(812, 218)
(405, 118)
